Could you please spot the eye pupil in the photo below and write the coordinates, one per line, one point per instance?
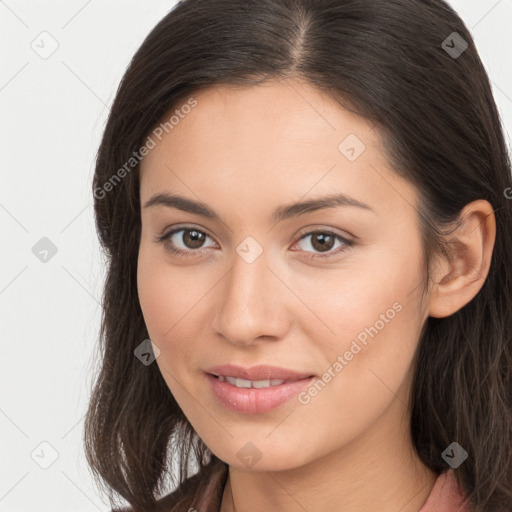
(193, 239)
(325, 241)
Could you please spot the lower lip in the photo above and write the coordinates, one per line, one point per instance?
(255, 400)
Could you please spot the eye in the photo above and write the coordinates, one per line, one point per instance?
(192, 241)
(191, 238)
(324, 241)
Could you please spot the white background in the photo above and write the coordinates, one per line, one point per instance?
(52, 115)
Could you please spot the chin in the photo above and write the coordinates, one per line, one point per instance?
(250, 456)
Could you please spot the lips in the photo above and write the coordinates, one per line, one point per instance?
(255, 397)
(258, 373)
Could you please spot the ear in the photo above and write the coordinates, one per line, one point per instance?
(461, 277)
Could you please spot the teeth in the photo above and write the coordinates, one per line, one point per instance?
(276, 382)
(244, 383)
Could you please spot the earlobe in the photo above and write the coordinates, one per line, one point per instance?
(460, 278)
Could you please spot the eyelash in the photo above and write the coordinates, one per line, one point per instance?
(191, 252)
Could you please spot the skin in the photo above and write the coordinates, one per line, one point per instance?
(244, 152)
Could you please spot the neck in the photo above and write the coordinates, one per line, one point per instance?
(377, 472)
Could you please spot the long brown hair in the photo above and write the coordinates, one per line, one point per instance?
(389, 61)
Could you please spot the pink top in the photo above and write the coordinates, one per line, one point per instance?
(446, 496)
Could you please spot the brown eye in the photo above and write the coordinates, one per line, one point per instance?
(322, 243)
(192, 238)
(189, 243)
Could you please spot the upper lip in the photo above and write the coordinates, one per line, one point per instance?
(261, 372)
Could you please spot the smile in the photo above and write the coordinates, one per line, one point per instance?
(244, 383)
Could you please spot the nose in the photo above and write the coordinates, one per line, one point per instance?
(252, 303)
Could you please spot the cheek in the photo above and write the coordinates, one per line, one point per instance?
(158, 296)
(155, 300)
(367, 369)
(170, 299)
(164, 305)
(368, 291)
(371, 321)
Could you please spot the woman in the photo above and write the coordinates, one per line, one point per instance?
(305, 210)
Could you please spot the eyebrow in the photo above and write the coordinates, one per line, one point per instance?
(278, 215)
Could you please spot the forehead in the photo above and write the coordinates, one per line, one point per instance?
(294, 110)
(279, 137)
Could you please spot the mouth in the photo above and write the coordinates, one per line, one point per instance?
(257, 374)
(257, 384)
(256, 390)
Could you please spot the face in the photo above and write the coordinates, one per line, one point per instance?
(331, 290)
